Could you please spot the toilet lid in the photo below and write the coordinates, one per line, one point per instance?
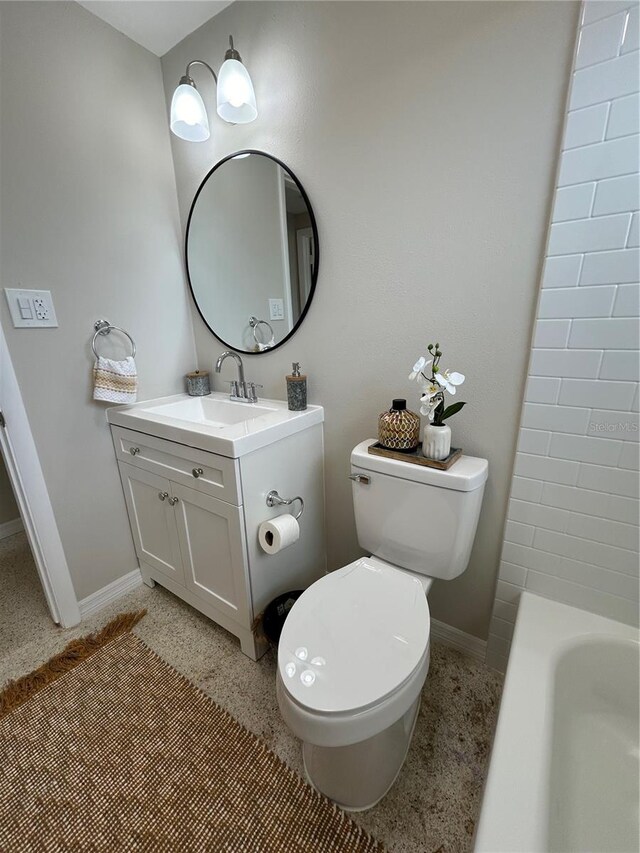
(353, 637)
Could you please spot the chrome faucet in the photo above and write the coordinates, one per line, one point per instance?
(240, 390)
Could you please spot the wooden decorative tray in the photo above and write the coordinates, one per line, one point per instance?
(416, 458)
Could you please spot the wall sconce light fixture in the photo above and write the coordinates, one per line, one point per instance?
(236, 100)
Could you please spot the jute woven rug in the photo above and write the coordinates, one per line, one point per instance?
(108, 748)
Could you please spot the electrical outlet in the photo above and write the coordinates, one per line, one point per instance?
(41, 308)
(31, 309)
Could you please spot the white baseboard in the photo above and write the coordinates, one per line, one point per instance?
(99, 600)
(456, 639)
(11, 527)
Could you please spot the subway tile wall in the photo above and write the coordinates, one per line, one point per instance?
(572, 523)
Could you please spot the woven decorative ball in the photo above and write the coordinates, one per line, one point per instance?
(399, 429)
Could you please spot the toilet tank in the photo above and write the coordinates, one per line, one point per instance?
(418, 518)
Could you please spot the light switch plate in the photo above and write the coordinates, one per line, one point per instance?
(276, 309)
(31, 309)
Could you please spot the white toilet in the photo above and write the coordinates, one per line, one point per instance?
(354, 652)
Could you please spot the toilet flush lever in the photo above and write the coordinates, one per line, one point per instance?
(360, 478)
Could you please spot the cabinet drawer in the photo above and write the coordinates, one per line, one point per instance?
(209, 473)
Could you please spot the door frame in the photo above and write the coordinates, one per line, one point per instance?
(284, 246)
(30, 489)
(306, 261)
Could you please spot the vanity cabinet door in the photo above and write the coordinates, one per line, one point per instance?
(211, 534)
(153, 520)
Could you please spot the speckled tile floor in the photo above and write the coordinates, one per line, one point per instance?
(434, 803)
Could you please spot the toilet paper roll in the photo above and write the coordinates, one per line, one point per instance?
(278, 533)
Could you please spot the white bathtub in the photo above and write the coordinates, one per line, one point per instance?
(565, 764)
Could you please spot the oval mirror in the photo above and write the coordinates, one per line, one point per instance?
(252, 252)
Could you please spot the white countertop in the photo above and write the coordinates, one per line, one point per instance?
(200, 421)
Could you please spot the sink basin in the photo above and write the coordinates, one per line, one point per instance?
(212, 412)
(215, 423)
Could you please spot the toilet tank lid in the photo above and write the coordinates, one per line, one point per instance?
(465, 475)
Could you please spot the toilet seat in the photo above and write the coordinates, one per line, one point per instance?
(335, 729)
(353, 639)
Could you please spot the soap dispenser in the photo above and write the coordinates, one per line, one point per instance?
(296, 389)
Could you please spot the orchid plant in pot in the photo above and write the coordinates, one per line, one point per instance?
(436, 436)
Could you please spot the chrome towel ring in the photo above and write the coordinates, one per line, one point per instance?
(104, 327)
(254, 323)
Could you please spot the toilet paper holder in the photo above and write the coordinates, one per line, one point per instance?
(274, 499)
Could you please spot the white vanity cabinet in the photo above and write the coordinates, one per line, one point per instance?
(195, 514)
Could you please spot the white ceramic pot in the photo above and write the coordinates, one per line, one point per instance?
(436, 441)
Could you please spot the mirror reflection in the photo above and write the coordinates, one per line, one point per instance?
(252, 252)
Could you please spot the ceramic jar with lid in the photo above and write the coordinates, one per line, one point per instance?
(399, 428)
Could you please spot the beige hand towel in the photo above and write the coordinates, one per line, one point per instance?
(115, 381)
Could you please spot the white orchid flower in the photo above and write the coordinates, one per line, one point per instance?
(428, 403)
(449, 380)
(430, 410)
(420, 366)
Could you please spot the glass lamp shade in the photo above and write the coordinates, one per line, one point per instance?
(236, 98)
(188, 116)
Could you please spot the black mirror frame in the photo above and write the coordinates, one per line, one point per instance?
(316, 245)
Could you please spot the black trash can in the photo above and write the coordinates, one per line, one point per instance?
(276, 613)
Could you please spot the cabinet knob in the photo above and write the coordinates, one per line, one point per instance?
(163, 495)
(173, 501)
(197, 472)
(134, 450)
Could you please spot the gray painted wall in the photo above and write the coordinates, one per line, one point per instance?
(426, 135)
(88, 210)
